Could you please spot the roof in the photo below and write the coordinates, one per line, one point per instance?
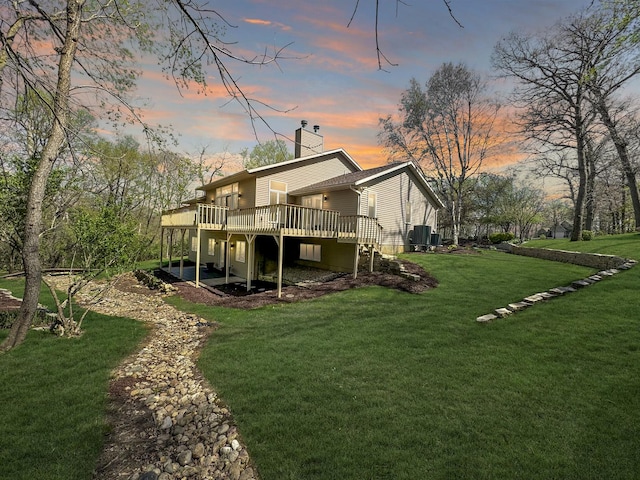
(251, 172)
(360, 178)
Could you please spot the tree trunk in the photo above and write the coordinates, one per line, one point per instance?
(582, 172)
(623, 155)
(33, 216)
(590, 202)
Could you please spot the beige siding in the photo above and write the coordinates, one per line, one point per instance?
(306, 173)
(343, 201)
(394, 195)
(247, 192)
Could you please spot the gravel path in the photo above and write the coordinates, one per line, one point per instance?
(167, 421)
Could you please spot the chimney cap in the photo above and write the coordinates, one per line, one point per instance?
(303, 123)
(316, 128)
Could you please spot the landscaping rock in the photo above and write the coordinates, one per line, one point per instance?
(163, 381)
(486, 318)
(503, 312)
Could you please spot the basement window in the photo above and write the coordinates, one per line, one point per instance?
(241, 250)
(309, 251)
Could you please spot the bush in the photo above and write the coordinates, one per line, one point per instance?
(587, 235)
(501, 237)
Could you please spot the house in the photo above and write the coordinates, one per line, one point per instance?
(320, 209)
(562, 230)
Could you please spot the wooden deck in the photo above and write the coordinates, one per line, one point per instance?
(281, 219)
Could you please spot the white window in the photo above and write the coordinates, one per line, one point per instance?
(309, 251)
(241, 251)
(277, 192)
(227, 196)
(211, 246)
(312, 201)
(223, 253)
(407, 213)
(373, 200)
(194, 244)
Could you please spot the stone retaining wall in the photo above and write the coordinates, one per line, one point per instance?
(592, 260)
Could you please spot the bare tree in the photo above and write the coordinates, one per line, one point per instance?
(552, 97)
(92, 39)
(446, 129)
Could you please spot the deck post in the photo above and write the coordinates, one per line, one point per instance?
(356, 258)
(250, 255)
(372, 255)
(161, 245)
(182, 254)
(198, 256)
(280, 260)
(170, 248)
(227, 261)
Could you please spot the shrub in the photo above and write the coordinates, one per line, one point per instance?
(542, 237)
(501, 237)
(587, 235)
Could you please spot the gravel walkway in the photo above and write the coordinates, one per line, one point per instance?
(167, 421)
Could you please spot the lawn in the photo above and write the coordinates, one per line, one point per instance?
(54, 395)
(374, 383)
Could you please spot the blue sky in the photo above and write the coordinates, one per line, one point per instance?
(330, 76)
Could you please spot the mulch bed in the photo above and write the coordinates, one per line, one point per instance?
(290, 294)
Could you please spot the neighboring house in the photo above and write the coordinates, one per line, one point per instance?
(563, 230)
(319, 209)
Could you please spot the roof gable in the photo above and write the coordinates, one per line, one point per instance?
(369, 176)
(286, 165)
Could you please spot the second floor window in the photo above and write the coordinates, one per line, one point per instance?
(277, 192)
(227, 196)
(373, 200)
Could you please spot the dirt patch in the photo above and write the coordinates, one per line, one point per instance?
(297, 293)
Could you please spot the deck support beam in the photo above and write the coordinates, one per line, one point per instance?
(250, 255)
(182, 231)
(198, 230)
(355, 260)
(280, 241)
(227, 255)
(170, 248)
(372, 255)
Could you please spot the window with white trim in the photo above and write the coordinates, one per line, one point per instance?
(407, 212)
(312, 201)
(227, 196)
(310, 251)
(211, 246)
(241, 251)
(194, 244)
(372, 203)
(277, 192)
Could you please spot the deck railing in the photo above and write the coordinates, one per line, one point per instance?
(359, 228)
(272, 219)
(212, 216)
(179, 217)
(291, 219)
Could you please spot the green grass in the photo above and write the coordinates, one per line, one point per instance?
(627, 245)
(53, 395)
(374, 383)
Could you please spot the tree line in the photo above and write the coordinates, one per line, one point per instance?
(571, 118)
(66, 65)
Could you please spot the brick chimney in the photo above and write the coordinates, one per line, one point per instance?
(308, 142)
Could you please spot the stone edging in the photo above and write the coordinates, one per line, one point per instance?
(578, 258)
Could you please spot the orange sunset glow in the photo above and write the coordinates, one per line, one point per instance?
(327, 72)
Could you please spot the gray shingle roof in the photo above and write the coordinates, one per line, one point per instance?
(343, 181)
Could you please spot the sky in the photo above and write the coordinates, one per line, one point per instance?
(328, 73)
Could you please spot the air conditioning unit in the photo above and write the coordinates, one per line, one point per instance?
(421, 235)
